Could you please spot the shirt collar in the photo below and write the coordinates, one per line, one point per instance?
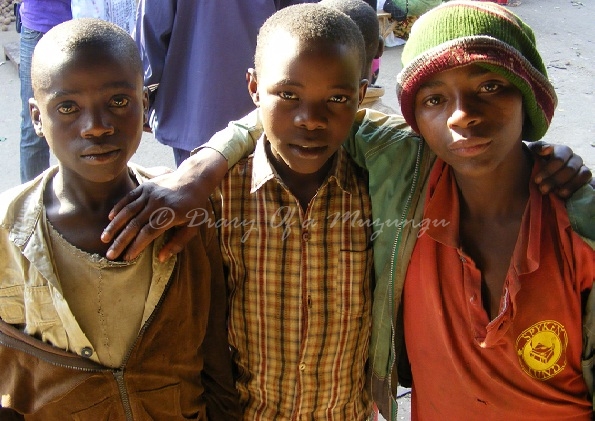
(443, 205)
(263, 170)
(26, 204)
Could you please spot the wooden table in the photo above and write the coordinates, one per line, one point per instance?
(386, 25)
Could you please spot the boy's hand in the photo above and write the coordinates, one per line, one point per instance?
(164, 202)
(562, 171)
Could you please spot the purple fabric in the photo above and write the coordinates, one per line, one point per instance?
(198, 51)
(43, 15)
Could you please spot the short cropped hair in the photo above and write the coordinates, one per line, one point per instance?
(82, 34)
(311, 22)
(365, 17)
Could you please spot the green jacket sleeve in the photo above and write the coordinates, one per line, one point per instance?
(372, 132)
(581, 212)
(238, 139)
(589, 344)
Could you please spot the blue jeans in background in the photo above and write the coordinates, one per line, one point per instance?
(35, 153)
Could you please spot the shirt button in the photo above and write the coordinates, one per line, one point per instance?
(473, 299)
(306, 236)
(86, 352)
(302, 367)
(463, 259)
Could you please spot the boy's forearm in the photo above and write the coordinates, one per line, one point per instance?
(206, 167)
(238, 139)
(371, 129)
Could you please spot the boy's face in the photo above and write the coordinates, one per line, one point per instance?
(91, 110)
(308, 95)
(471, 118)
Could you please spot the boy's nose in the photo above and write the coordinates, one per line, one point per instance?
(311, 116)
(96, 124)
(465, 113)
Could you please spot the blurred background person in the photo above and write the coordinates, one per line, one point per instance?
(37, 17)
(195, 55)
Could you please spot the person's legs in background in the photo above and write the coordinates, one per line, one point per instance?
(372, 3)
(35, 153)
(180, 155)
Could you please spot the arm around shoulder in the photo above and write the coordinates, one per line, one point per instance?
(238, 139)
(373, 131)
(581, 212)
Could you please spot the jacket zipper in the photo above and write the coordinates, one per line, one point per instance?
(394, 407)
(88, 366)
(119, 374)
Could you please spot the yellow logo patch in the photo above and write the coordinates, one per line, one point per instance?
(542, 349)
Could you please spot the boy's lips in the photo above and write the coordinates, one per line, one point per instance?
(308, 151)
(100, 154)
(469, 147)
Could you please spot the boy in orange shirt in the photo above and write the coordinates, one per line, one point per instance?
(493, 301)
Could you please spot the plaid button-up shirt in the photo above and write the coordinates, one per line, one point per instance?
(299, 287)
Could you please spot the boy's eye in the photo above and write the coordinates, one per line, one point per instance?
(338, 98)
(119, 101)
(67, 108)
(287, 95)
(490, 87)
(432, 101)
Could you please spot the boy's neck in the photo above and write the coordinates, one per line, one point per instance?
(500, 194)
(87, 196)
(491, 212)
(79, 210)
(302, 186)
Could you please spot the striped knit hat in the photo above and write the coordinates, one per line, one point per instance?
(459, 33)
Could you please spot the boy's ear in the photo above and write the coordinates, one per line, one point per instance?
(380, 50)
(35, 117)
(145, 105)
(363, 87)
(253, 86)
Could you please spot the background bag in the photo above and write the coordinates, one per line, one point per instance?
(17, 17)
(396, 12)
(415, 7)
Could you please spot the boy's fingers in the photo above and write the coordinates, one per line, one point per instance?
(540, 147)
(559, 166)
(176, 244)
(121, 215)
(138, 227)
(582, 177)
(135, 242)
(130, 198)
(125, 237)
(568, 179)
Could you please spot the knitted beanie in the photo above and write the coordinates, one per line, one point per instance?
(458, 33)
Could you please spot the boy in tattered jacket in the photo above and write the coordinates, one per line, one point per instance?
(82, 337)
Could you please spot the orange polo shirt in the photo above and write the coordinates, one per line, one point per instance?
(526, 363)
